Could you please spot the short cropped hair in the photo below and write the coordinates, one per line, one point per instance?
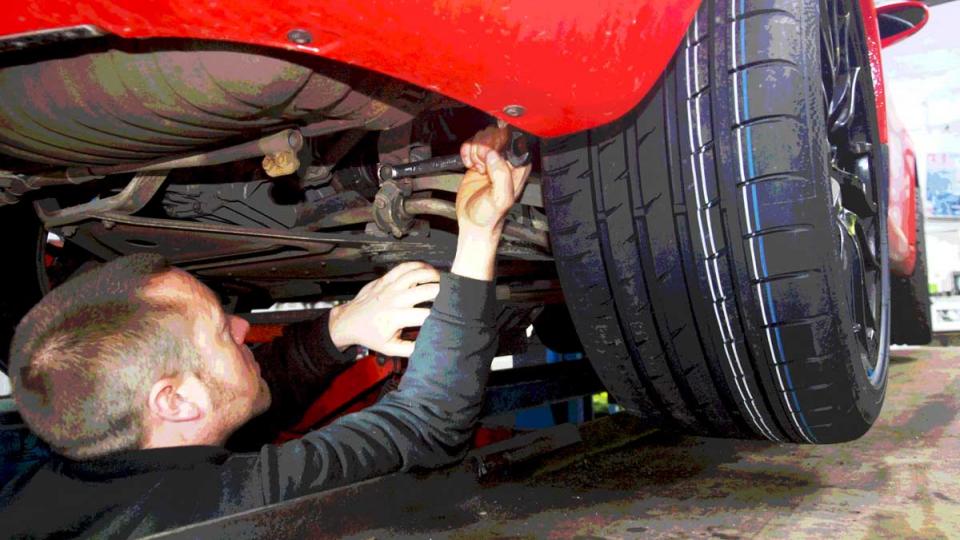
(82, 360)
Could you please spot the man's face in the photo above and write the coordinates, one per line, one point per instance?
(232, 375)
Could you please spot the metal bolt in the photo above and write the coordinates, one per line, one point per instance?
(108, 225)
(386, 172)
(514, 110)
(299, 36)
(860, 147)
(69, 230)
(295, 139)
(380, 203)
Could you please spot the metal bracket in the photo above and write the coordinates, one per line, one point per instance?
(132, 199)
(388, 211)
(853, 189)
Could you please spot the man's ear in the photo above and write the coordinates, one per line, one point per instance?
(183, 398)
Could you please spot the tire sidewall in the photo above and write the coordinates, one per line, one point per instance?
(867, 397)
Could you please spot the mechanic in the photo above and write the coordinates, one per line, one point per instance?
(136, 377)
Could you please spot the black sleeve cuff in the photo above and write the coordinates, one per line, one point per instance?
(467, 298)
(321, 327)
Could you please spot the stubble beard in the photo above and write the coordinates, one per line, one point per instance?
(223, 396)
(263, 400)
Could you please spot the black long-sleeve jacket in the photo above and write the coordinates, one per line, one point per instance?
(425, 423)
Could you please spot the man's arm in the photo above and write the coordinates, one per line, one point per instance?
(426, 422)
(430, 418)
(299, 365)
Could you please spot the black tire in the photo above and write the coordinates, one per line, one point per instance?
(692, 311)
(29, 275)
(556, 331)
(22, 247)
(910, 297)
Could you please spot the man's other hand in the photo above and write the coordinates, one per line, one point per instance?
(384, 307)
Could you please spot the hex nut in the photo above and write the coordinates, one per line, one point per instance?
(299, 36)
(514, 111)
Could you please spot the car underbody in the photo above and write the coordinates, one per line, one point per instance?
(156, 137)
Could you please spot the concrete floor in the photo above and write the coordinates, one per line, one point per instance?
(901, 480)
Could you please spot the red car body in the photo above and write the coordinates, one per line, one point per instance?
(903, 186)
(902, 199)
(574, 66)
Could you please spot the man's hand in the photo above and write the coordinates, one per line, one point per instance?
(491, 184)
(384, 307)
(486, 194)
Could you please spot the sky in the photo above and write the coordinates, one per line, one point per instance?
(923, 79)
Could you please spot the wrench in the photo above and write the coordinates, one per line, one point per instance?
(518, 154)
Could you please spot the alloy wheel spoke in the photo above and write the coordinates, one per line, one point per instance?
(852, 178)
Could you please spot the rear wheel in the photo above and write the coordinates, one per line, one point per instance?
(722, 248)
(910, 296)
(23, 278)
(37, 262)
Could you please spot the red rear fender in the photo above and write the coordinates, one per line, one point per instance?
(570, 65)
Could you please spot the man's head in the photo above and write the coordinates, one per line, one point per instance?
(130, 355)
